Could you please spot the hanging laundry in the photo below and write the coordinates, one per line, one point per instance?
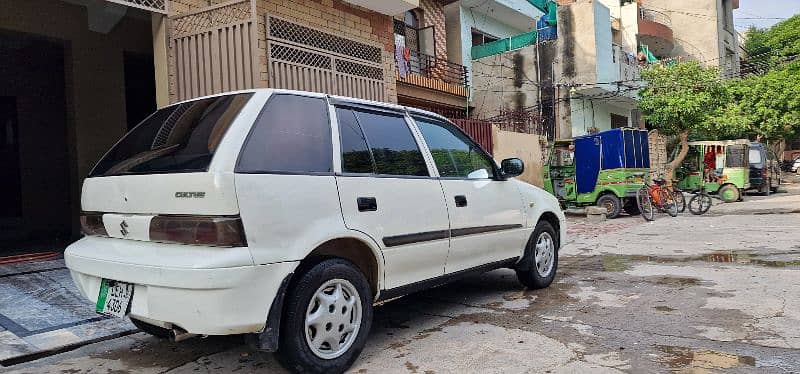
(400, 60)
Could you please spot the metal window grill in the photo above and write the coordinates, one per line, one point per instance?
(299, 56)
(158, 6)
(296, 33)
(210, 18)
(354, 68)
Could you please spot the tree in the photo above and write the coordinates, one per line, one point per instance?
(680, 99)
(763, 106)
(782, 39)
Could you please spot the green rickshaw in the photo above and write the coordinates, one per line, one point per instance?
(604, 169)
(722, 167)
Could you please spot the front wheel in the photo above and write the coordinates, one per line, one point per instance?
(539, 267)
(327, 318)
(699, 203)
(645, 203)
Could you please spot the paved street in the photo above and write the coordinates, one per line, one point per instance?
(692, 294)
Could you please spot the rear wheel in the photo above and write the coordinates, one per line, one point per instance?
(729, 193)
(539, 269)
(611, 203)
(327, 318)
(645, 204)
(699, 203)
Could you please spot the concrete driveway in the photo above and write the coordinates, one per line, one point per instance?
(713, 293)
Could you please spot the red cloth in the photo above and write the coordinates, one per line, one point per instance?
(710, 160)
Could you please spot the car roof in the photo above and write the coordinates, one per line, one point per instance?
(352, 100)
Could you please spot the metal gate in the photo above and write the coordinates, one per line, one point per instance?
(304, 58)
(214, 49)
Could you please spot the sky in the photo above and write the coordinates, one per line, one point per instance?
(762, 13)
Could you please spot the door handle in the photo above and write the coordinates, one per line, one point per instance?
(461, 200)
(367, 204)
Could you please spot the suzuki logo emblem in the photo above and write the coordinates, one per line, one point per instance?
(124, 228)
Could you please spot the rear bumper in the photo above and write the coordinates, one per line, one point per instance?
(208, 301)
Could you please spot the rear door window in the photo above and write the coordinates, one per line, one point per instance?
(291, 135)
(391, 145)
(180, 138)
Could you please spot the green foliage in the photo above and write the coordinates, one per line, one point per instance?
(756, 42)
(681, 98)
(783, 38)
(766, 105)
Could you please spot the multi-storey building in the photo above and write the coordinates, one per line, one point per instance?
(588, 77)
(75, 75)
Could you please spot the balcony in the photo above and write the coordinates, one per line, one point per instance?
(426, 71)
(387, 7)
(156, 6)
(655, 30)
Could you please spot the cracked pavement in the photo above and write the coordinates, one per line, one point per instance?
(693, 294)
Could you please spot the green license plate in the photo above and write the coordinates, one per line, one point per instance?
(114, 298)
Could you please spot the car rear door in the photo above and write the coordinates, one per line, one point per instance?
(387, 192)
(486, 213)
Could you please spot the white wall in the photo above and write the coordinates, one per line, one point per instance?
(460, 20)
(586, 113)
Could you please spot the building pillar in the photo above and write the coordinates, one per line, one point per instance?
(160, 59)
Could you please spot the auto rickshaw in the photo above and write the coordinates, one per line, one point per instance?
(721, 166)
(604, 169)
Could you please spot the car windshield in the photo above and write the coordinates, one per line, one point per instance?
(176, 139)
(563, 156)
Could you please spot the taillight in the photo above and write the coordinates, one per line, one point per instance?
(200, 230)
(92, 224)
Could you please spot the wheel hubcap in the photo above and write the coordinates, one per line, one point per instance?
(333, 318)
(544, 254)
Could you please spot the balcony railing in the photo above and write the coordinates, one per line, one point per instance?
(655, 16)
(157, 6)
(421, 69)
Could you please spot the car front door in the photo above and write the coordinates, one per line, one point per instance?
(486, 213)
(387, 192)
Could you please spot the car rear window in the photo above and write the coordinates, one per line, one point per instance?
(180, 138)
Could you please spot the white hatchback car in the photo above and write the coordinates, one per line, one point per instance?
(286, 215)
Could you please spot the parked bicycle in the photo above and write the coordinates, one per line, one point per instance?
(702, 200)
(657, 195)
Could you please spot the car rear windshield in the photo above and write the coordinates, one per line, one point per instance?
(180, 138)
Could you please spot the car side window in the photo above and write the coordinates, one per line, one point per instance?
(455, 155)
(292, 134)
(356, 157)
(392, 148)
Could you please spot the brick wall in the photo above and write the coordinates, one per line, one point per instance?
(433, 15)
(333, 16)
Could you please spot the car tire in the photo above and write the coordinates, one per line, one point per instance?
(157, 331)
(729, 193)
(332, 292)
(543, 242)
(611, 203)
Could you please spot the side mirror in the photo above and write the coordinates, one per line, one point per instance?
(511, 167)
